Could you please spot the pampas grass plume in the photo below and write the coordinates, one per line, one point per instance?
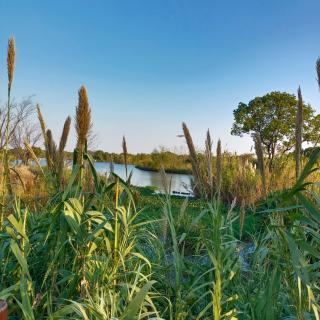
(11, 61)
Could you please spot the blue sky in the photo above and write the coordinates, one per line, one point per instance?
(150, 64)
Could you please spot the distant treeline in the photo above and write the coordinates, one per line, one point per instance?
(170, 161)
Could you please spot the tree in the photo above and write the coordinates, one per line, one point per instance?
(20, 114)
(273, 116)
(21, 128)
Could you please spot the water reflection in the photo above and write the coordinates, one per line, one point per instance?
(142, 178)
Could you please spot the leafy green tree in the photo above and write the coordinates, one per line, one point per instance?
(273, 116)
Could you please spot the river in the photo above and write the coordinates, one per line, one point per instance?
(143, 178)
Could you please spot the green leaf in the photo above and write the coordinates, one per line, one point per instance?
(132, 309)
(27, 309)
(20, 257)
(309, 206)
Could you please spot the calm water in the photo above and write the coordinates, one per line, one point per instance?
(142, 178)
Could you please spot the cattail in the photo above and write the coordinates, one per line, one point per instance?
(299, 124)
(208, 154)
(83, 118)
(125, 154)
(11, 61)
(193, 157)
(219, 165)
(259, 153)
(318, 71)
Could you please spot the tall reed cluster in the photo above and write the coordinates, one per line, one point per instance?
(55, 156)
(93, 255)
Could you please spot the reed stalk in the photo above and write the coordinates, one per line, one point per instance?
(52, 151)
(219, 167)
(195, 163)
(208, 156)
(44, 134)
(62, 145)
(10, 69)
(116, 226)
(299, 125)
(125, 154)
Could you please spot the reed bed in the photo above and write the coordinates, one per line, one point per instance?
(89, 251)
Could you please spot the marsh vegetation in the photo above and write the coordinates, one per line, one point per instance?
(78, 245)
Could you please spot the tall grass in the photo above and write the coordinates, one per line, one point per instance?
(90, 253)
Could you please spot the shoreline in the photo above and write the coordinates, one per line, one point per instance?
(168, 170)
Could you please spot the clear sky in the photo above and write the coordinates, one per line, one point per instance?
(150, 64)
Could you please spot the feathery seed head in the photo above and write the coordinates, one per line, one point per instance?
(83, 117)
(51, 147)
(125, 154)
(65, 134)
(194, 159)
(41, 120)
(11, 60)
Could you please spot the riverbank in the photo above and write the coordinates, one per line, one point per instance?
(167, 170)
